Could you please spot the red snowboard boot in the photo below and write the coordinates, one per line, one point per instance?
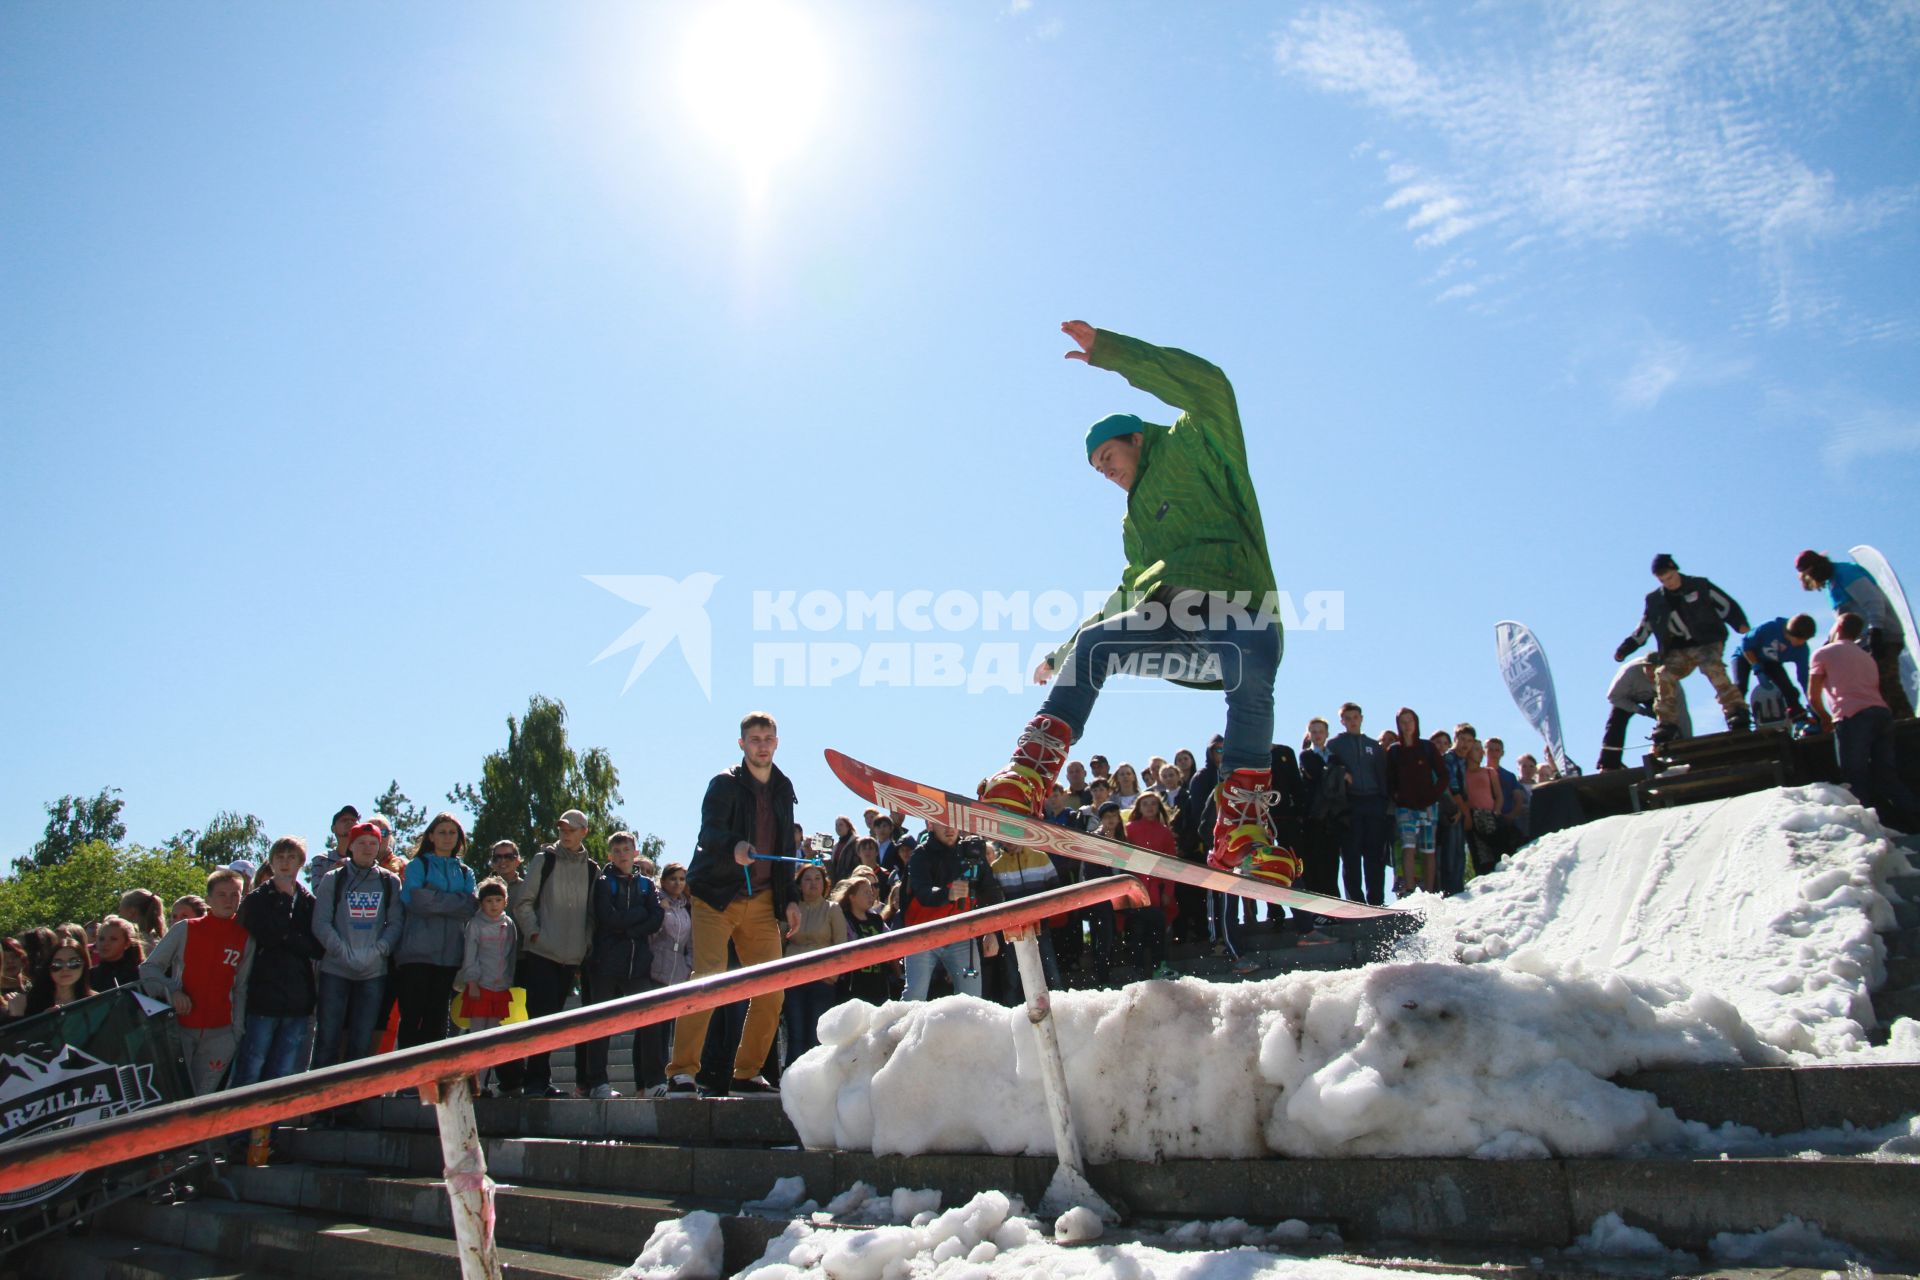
(1038, 757)
(1240, 839)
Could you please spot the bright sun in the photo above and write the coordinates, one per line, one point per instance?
(754, 74)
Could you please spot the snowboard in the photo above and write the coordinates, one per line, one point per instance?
(969, 817)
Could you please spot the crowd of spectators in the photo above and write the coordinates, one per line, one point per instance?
(305, 963)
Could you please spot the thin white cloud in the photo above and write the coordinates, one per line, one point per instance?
(1858, 432)
(1847, 427)
(1610, 119)
(1652, 376)
(1664, 364)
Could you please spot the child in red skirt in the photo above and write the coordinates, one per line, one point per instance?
(487, 972)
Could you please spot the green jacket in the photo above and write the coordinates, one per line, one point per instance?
(1192, 519)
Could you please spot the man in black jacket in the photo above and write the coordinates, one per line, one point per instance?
(1688, 618)
(738, 899)
(278, 1039)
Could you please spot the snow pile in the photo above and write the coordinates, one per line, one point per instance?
(688, 1248)
(861, 1203)
(1611, 1237)
(1078, 1225)
(1413, 1059)
(1791, 1244)
(988, 1239)
(788, 1196)
(1738, 932)
(1768, 900)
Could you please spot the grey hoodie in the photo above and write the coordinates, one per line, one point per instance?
(358, 918)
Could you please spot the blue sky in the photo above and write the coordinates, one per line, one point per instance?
(344, 341)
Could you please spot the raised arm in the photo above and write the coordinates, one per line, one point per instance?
(1173, 376)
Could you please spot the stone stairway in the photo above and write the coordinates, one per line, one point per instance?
(579, 1200)
(584, 1182)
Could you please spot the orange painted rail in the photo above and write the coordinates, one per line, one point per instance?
(141, 1133)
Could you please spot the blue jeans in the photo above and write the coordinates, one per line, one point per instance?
(1193, 637)
(348, 1016)
(804, 1005)
(1012, 989)
(1450, 857)
(955, 958)
(272, 1047)
(1864, 743)
(1363, 856)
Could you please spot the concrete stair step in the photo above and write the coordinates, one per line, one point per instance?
(717, 1121)
(577, 1223)
(95, 1257)
(1777, 1100)
(1908, 887)
(303, 1246)
(1771, 1099)
(1903, 972)
(1906, 915)
(1427, 1201)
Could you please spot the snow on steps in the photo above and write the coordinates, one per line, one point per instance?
(367, 1202)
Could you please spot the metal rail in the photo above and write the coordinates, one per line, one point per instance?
(426, 1067)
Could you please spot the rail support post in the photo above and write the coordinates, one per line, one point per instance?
(1069, 1186)
(469, 1189)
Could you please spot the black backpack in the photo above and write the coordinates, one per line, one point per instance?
(1330, 802)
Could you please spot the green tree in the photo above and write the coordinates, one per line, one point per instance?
(524, 788)
(72, 822)
(228, 837)
(87, 884)
(408, 817)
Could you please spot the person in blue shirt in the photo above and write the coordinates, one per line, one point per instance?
(1768, 648)
(1852, 589)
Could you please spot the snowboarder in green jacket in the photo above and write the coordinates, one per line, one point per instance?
(1195, 603)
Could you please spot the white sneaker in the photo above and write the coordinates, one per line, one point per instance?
(601, 1092)
(678, 1087)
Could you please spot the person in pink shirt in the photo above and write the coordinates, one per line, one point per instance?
(1484, 798)
(1863, 738)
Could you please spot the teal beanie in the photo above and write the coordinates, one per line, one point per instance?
(1114, 424)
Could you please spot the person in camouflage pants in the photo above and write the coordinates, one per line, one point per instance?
(1688, 617)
